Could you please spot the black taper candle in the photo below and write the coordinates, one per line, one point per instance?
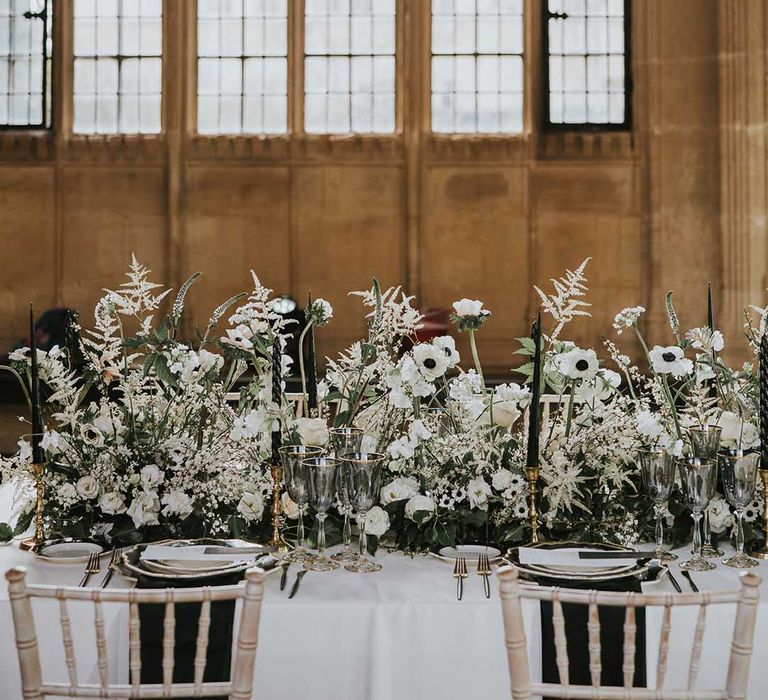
(312, 362)
(763, 369)
(37, 410)
(277, 394)
(535, 408)
(710, 310)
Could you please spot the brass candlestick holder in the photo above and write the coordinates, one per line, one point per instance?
(532, 474)
(762, 553)
(277, 478)
(32, 543)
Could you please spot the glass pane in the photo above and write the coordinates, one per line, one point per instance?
(586, 62)
(349, 47)
(477, 48)
(242, 66)
(118, 66)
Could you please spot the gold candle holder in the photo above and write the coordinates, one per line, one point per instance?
(762, 553)
(277, 478)
(532, 474)
(32, 543)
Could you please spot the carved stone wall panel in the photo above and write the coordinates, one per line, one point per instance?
(107, 214)
(27, 247)
(475, 244)
(348, 226)
(237, 219)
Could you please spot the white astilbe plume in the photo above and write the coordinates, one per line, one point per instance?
(565, 303)
(391, 319)
(257, 311)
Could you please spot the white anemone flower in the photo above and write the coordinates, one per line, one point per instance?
(447, 344)
(431, 361)
(578, 364)
(670, 360)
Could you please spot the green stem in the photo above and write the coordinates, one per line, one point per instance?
(571, 401)
(475, 357)
(304, 395)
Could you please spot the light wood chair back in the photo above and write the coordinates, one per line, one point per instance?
(33, 686)
(523, 688)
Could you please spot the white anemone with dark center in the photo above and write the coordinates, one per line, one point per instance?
(431, 361)
(578, 364)
(670, 360)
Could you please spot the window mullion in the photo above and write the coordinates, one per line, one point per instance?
(296, 66)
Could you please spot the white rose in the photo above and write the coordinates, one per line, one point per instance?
(720, 517)
(313, 431)
(502, 479)
(144, 509)
(87, 486)
(418, 503)
(67, 493)
(151, 476)
(399, 490)
(376, 521)
(112, 503)
(290, 508)
(477, 493)
(468, 307)
(91, 435)
(737, 433)
(402, 448)
(505, 408)
(177, 503)
(251, 506)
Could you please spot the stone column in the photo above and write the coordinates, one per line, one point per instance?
(744, 250)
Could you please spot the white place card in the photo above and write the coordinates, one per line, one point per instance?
(568, 557)
(160, 552)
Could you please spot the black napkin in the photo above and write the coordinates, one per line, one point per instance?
(152, 615)
(577, 636)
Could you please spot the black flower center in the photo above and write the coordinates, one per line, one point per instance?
(429, 363)
(668, 357)
(582, 365)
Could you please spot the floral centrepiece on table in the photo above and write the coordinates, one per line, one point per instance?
(151, 436)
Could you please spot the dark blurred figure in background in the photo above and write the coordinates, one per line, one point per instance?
(51, 329)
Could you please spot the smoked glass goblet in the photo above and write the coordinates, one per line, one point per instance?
(739, 470)
(705, 444)
(344, 441)
(362, 473)
(322, 473)
(657, 470)
(698, 479)
(297, 484)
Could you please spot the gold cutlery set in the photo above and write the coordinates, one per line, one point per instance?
(460, 572)
(93, 567)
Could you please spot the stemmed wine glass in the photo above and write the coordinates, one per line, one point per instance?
(705, 444)
(739, 470)
(657, 470)
(362, 471)
(297, 484)
(322, 490)
(344, 441)
(699, 479)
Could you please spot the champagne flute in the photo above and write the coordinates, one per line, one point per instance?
(739, 470)
(698, 479)
(362, 472)
(322, 490)
(657, 470)
(344, 441)
(705, 444)
(297, 484)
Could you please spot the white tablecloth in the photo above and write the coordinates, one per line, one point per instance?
(399, 633)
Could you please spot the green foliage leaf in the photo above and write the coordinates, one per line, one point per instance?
(6, 532)
(23, 523)
(163, 372)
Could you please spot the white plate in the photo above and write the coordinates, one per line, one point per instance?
(470, 552)
(69, 552)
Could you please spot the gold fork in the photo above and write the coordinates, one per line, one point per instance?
(460, 573)
(92, 567)
(484, 570)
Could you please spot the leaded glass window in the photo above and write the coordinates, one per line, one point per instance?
(242, 66)
(349, 66)
(118, 66)
(586, 54)
(25, 63)
(477, 66)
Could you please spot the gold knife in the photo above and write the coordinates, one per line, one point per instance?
(295, 587)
